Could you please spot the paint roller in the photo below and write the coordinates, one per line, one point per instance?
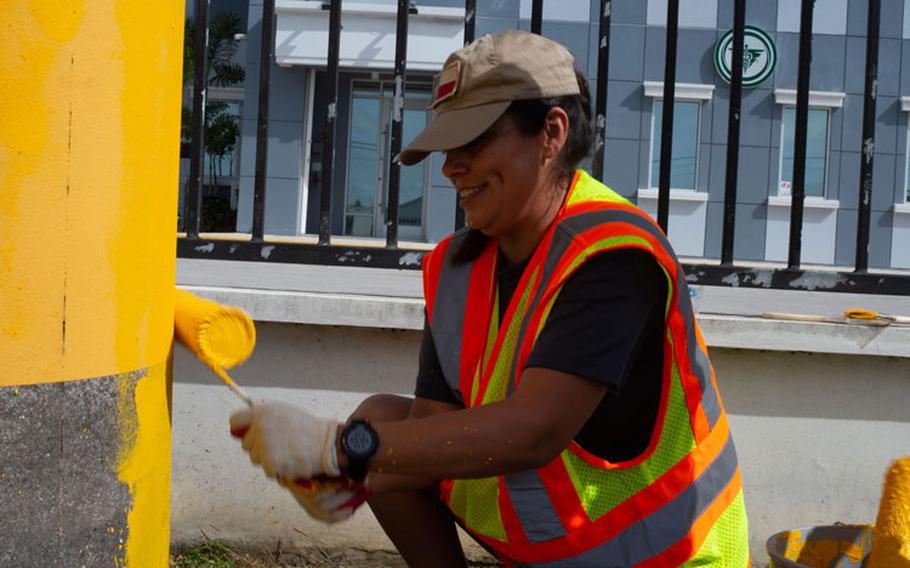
(891, 540)
(222, 337)
(869, 315)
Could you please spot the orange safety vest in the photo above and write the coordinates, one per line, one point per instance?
(680, 502)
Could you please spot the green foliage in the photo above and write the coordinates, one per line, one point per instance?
(214, 554)
(221, 132)
(222, 72)
(220, 51)
(222, 128)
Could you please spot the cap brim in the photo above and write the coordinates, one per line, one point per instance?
(452, 129)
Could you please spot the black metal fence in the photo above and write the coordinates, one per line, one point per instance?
(726, 273)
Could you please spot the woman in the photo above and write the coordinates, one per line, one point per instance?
(566, 412)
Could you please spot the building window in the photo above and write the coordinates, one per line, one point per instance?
(684, 162)
(907, 177)
(821, 104)
(905, 106)
(686, 121)
(816, 151)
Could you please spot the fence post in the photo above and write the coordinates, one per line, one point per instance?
(470, 19)
(192, 200)
(733, 123)
(536, 16)
(800, 134)
(867, 155)
(266, 48)
(328, 145)
(666, 131)
(401, 61)
(603, 84)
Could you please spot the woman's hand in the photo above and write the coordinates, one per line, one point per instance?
(290, 443)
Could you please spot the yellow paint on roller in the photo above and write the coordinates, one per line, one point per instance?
(891, 545)
(221, 336)
(145, 447)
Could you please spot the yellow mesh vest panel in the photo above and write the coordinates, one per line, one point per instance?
(588, 189)
(477, 500)
(727, 543)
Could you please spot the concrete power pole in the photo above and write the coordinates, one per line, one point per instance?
(89, 146)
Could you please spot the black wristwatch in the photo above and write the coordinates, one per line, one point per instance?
(359, 441)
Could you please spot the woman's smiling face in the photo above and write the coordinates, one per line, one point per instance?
(497, 177)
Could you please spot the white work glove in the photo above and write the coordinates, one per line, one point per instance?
(289, 442)
(328, 501)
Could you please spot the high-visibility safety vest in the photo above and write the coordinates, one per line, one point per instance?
(680, 502)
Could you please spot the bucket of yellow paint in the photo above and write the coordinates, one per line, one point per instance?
(836, 546)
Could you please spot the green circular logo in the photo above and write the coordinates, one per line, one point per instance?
(759, 56)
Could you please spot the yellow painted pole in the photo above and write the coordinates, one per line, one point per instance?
(89, 146)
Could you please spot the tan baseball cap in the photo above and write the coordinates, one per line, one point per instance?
(479, 82)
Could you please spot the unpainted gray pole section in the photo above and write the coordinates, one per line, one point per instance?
(867, 155)
(733, 124)
(666, 131)
(800, 134)
(266, 49)
(536, 16)
(192, 202)
(603, 82)
(328, 145)
(401, 57)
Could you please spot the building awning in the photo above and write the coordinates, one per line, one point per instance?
(368, 36)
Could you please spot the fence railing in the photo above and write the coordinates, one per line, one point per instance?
(725, 273)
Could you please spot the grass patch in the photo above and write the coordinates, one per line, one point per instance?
(214, 554)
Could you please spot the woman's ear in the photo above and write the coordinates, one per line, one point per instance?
(555, 132)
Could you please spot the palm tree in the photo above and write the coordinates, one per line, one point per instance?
(222, 128)
(220, 51)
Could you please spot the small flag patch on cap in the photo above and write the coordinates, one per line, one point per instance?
(446, 83)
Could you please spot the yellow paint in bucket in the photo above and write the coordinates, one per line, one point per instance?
(891, 546)
(821, 552)
(222, 337)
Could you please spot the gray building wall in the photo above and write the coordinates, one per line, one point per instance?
(287, 95)
(637, 55)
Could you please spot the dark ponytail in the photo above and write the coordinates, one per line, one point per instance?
(530, 117)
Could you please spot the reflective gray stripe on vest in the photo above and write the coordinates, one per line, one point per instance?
(663, 528)
(698, 359)
(447, 325)
(559, 244)
(533, 507)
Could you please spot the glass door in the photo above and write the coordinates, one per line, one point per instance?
(366, 197)
(413, 179)
(363, 163)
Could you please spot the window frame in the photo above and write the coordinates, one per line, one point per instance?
(686, 93)
(780, 161)
(823, 100)
(905, 204)
(381, 83)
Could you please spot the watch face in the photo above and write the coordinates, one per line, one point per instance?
(359, 440)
